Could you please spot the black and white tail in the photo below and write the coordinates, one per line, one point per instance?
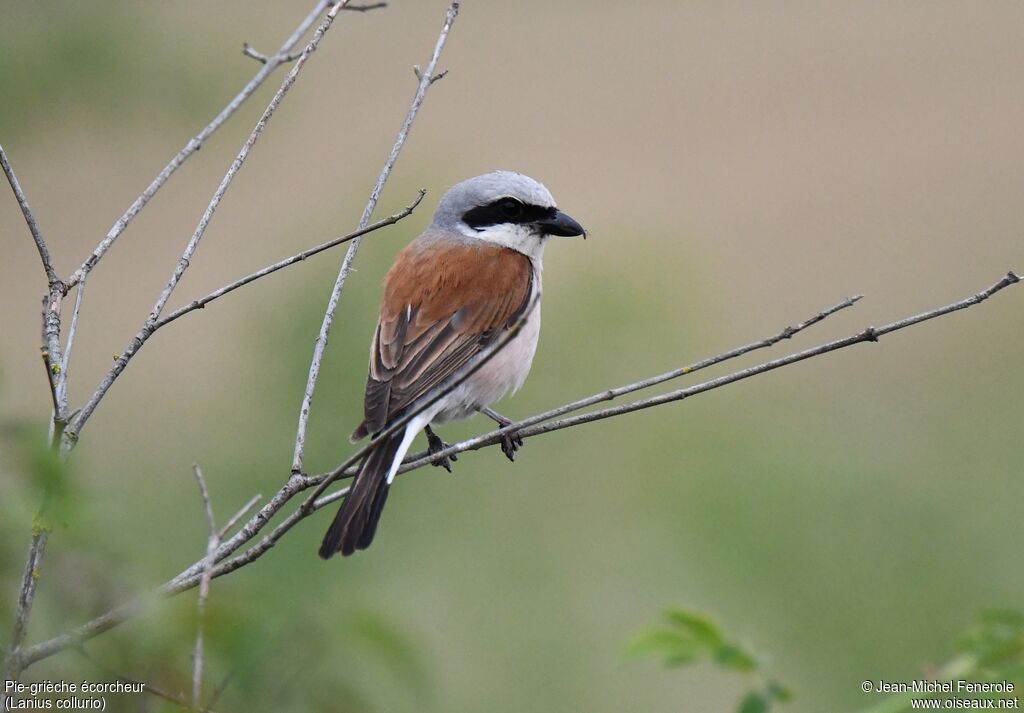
(356, 522)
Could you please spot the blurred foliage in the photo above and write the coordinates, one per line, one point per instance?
(47, 474)
(93, 63)
(691, 638)
(996, 643)
(990, 650)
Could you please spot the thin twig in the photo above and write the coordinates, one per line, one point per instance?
(203, 301)
(212, 542)
(414, 461)
(146, 686)
(249, 51)
(242, 511)
(196, 142)
(217, 692)
(74, 430)
(346, 265)
(72, 331)
(419, 74)
(44, 253)
(51, 302)
(190, 577)
(421, 459)
(366, 8)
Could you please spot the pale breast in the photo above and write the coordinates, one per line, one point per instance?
(505, 372)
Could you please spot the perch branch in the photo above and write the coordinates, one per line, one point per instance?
(75, 429)
(346, 265)
(189, 577)
(196, 142)
(870, 334)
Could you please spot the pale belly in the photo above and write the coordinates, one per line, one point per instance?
(504, 372)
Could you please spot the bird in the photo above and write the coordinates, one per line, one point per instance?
(470, 279)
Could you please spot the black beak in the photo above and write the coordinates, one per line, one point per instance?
(562, 225)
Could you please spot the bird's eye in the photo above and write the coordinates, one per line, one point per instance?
(511, 208)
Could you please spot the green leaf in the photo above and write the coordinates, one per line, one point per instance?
(754, 703)
(996, 638)
(697, 626)
(672, 648)
(732, 657)
(779, 692)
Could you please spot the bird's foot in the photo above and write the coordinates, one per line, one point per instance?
(436, 445)
(510, 441)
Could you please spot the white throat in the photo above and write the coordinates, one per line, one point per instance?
(520, 238)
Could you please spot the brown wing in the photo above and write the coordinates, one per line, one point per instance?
(442, 304)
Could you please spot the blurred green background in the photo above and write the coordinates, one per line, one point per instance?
(739, 166)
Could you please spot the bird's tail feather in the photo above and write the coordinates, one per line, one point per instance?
(356, 522)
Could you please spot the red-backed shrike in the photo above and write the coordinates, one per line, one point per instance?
(468, 278)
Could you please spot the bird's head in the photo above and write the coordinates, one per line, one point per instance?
(506, 208)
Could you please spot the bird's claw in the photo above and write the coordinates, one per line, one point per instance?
(436, 445)
(510, 443)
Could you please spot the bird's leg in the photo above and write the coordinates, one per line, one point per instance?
(436, 445)
(510, 442)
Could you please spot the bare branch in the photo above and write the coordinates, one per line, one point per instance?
(195, 143)
(74, 430)
(44, 253)
(870, 334)
(366, 8)
(51, 303)
(203, 301)
(13, 664)
(51, 356)
(212, 542)
(346, 265)
(190, 577)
